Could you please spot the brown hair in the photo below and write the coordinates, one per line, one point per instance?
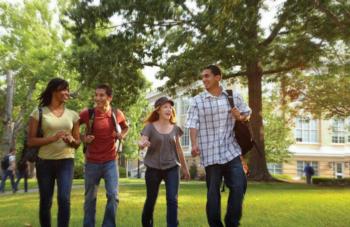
(154, 116)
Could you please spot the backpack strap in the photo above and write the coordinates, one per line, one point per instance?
(117, 127)
(230, 98)
(39, 130)
(91, 112)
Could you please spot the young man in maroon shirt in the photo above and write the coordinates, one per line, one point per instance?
(101, 156)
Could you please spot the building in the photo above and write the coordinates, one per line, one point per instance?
(324, 144)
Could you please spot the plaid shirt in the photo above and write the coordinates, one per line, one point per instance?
(211, 116)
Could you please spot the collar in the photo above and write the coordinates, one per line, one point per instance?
(223, 92)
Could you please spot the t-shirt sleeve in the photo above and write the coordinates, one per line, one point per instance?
(84, 116)
(121, 119)
(179, 131)
(75, 116)
(146, 131)
(35, 114)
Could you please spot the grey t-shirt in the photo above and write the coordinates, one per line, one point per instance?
(162, 152)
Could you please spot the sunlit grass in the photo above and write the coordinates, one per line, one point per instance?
(274, 204)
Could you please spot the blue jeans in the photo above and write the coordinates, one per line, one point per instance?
(7, 173)
(21, 175)
(47, 172)
(153, 178)
(94, 172)
(236, 182)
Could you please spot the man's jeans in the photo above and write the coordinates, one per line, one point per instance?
(236, 181)
(47, 172)
(21, 175)
(7, 173)
(94, 172)
(153, 178)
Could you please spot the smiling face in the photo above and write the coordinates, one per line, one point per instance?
(61, 95)
(165, 111)
(101, 98)
(210, 80)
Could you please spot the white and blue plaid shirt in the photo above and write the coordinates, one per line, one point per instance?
(211, 116)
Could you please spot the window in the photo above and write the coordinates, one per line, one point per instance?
(275, 168)
(184, 106)
(301, 165)
(306, 130)
(338, 131)
(185, 138)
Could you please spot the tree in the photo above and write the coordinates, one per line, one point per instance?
(32, 47)
(184, 36)
(278, 130)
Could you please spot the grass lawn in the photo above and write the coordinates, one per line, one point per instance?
(275, 204)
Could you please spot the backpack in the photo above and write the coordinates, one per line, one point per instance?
(242, 130)
(31, 153)
(116, 125)
(5, 162)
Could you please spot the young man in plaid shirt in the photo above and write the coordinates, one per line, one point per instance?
(211, 121)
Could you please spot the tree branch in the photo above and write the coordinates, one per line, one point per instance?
(283, 69)
(282, 20)
(329, 14)
(231, 75)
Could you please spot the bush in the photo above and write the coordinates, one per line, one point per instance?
(193, 170)
(79, 171)
(122, 172)
(331, 181)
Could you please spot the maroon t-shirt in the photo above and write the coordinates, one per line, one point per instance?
(102, 148)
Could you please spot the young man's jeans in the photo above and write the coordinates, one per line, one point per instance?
(236, 181)
(47, 172)
(7, 173)
(21, 175)
(153, 178)
(94, 172)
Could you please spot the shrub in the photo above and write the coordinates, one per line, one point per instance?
(193, 170)
(122, 172)
(79, 171)
(331, 181)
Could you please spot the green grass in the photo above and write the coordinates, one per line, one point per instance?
(275, 204)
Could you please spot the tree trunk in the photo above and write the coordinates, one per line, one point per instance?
(257, 160)
(8, 124)
(19, 122)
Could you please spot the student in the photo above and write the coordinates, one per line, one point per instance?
(163, 159)
(55, 162)
(8, 166)
(211, 121)
(101, 155)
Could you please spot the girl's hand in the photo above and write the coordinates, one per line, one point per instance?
(186, 174)
(144, 143)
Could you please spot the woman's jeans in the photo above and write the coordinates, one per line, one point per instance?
(48, 172)
(153, 179)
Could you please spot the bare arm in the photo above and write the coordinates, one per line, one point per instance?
(181, 156)
(74, 139)
(193, 136)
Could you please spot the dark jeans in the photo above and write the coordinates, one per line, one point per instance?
(153, 179)
(21, 175)
(94, 172)
(47, 172)
(236, 182)
(5, 174)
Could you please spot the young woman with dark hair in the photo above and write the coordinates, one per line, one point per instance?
(163, 158)
(60, 127)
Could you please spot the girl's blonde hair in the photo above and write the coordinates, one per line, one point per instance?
(154, 116)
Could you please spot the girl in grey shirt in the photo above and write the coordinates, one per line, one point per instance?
(163, 159)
